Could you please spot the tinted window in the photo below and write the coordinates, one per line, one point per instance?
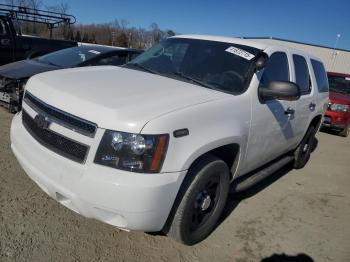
(113, 60)
(302, 74)
(277, 69)
(320, 74)
(69, 57)
(217, 65)
(133, 55)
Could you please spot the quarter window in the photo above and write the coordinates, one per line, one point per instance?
(277, 69)
(321, 76)
(302, 77)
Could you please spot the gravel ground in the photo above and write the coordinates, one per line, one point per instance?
(294, 212)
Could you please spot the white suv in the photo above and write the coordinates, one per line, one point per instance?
(154, 145)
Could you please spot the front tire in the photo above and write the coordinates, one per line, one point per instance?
(345, 132)
(204, 193)
(303, 151)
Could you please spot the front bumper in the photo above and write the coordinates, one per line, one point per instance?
(123, 199)
(336, 120)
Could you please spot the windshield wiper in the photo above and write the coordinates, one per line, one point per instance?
(142, 67)
(194, 80)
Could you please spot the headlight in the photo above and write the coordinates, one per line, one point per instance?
(339, 107)
(132, 152)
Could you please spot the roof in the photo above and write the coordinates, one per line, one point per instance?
(227, 39)
(297, 42)
(247, 42)
(335, 60)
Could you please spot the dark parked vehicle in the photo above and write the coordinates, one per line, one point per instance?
(15, 46)
(14, 76)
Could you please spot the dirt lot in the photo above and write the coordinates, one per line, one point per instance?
(294, 212)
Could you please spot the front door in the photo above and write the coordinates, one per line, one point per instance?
(272, 123)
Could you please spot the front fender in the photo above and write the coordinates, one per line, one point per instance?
(211, 125)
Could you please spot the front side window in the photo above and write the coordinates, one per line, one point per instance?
(217, 65)
(302, 74)
(277, 69)
(321, 76)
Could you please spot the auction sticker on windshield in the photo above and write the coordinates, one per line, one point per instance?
(240, 52)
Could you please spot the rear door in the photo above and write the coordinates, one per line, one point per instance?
(6, 44)
(306, 108)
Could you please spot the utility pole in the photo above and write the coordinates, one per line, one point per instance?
(335, 52)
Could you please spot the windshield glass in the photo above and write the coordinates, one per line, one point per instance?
(218, 65)
(69, 57)
(339, 84)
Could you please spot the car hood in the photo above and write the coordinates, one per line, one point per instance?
(117, 98)
(339, 98)
(24, 69)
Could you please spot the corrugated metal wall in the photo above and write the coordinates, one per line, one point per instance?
(334, 60)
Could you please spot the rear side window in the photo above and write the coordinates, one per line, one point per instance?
(302, 76)
(321, 76)
(277, 69)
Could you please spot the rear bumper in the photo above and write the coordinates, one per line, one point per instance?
(123, 199)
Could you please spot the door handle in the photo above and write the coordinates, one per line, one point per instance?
(5, 41)
(289, 112)
(312, 106)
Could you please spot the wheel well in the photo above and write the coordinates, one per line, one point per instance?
(227, 153)
(316, 122)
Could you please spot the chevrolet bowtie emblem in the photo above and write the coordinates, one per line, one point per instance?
(42, 121)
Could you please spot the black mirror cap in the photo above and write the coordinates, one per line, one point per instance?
(261, 60)
(281, 90)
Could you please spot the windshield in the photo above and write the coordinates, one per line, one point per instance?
(339, 84)
(69, 57)
(217, 65)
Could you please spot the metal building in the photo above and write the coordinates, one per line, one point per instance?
(335, 60)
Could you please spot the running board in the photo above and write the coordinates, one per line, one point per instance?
(249, 180)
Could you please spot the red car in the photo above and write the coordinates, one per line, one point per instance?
(337, 116)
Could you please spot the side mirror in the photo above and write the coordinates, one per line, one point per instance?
(281, 90)
(261, 61)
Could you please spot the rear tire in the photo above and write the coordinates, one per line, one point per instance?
(203, 197)
(303, 151)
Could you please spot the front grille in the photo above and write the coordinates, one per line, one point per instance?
(57, 143)
(72, 122)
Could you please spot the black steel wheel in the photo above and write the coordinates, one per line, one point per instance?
(202, 199)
